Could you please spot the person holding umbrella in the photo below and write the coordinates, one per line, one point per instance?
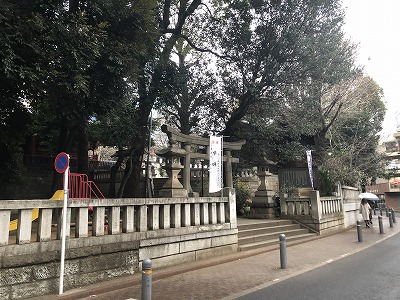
(364, 210)
(372, 204)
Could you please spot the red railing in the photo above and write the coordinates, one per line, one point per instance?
(80, 187)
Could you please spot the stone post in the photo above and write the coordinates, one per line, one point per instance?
(231, 207)
(228, 168)
(186, 170)
(4, 226)
(316, 209)
(283, 204)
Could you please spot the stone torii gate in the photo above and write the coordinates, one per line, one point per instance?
(185, 147)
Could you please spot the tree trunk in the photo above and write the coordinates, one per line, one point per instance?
(83, 160)
(132, 187)
(113, 174)
(139, 144)
(127, 174)
(244, 102)
(64, 145)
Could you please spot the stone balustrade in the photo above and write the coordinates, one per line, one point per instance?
(107, 238)
(296, 206)
(98, 217)
(323, 214)
(330, 205)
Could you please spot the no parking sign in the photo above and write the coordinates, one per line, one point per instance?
(61, 162)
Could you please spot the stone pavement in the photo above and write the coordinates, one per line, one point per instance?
(235, 275)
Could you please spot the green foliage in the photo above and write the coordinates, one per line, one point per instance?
(277, 206)
(281, 59)
(19, 81)
(326, 182)
(10, 168)
(243, 196)
(67, 64)
(288, 191)
(353, 137)
(271, 72)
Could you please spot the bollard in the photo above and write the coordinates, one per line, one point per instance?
(390, 219)
(380, 224)
(380, 209)
(393, 216)
(146, 279)
(387, 211)
(282, 242)
(359, 231)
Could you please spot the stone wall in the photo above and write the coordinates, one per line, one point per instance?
(351, 205)
(34, 269)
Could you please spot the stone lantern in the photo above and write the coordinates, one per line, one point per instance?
(173, 155)
(263, 203)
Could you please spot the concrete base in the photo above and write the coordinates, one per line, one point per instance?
(266, 195)
(262, 206)
(262, 202)
(261, 213)
(173, 193)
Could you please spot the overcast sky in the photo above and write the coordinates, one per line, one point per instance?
(375, 26)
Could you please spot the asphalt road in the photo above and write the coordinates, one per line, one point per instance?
(373, 273)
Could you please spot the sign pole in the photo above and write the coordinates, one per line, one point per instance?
(64, 230)
(61, 164)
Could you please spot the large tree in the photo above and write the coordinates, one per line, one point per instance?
(73, 60)
(353, 138)
(154, 84)
(279, 58)
(21, 79)
(196, 106)
(260, 70)
(271, 45)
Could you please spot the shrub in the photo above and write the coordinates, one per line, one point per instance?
(243, 196)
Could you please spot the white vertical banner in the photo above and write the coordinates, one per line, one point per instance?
(215, 167)
(310, 170)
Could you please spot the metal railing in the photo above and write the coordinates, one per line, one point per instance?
(80, 187)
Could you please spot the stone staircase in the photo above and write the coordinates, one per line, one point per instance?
(256, 233)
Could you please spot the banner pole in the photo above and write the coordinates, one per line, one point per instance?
(64, 231)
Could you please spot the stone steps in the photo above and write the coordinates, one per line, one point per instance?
(254, 234)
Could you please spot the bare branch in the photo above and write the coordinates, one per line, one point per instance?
(193, 45)
(333, 118)
(182, 16)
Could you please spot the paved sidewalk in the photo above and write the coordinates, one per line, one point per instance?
(235, 275)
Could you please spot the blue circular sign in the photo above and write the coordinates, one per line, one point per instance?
(61, 162)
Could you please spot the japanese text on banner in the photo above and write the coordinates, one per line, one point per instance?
(215, 168)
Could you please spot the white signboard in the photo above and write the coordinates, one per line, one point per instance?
(310, 170)
(215, 168)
